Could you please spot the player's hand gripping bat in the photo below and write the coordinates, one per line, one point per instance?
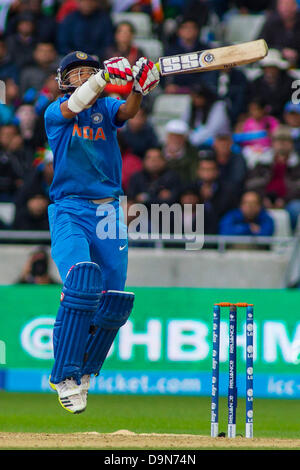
(212, 59)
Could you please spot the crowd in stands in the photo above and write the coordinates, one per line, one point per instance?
(238, 149)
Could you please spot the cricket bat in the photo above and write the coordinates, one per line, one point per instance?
(212, 59)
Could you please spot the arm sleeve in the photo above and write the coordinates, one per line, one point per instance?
(54, 120)
(112, 106)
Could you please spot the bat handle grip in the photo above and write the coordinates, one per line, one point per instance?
(105, 75)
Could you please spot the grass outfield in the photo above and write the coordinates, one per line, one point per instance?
(41, 413)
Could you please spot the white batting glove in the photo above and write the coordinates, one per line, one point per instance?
(119, 70)
(146, 76)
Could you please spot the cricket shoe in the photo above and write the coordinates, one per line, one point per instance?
(85, 385)
(70, 395)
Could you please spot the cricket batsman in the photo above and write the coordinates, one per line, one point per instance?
(82, 132)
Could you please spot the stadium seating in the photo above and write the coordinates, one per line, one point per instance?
(240, 28)
(7, 212)
(152, 48)
(140, 21)
(167, 107)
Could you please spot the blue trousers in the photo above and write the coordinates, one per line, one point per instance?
(78, 228)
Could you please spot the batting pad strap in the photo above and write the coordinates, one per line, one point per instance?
(114, 310)
(84, 94)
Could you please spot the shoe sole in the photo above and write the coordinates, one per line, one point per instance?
(62, 405)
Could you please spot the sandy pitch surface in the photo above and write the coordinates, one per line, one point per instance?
(124, 439)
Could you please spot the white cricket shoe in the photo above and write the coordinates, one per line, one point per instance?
(70, 395)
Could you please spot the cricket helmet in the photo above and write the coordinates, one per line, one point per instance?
(72, 61)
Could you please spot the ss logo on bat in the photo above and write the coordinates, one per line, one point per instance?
(180, 63)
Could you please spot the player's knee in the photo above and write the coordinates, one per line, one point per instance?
(115, 309)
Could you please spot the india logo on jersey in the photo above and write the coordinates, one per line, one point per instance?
(88, 133)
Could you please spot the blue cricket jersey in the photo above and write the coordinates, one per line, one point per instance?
(87, 159)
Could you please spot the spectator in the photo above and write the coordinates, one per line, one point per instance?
(249, 219)
(36, 269)
(208, 117)
(12, 171)
(139, 134)
(180, 155)
(131, 163)
(271, 177)
(123, 47)
(187, 40)
(88, 29)
(45, 62)
(21, 44)
(275, 85)
(155, 184)
(282, 30)
(47, 94)
(232, 166)
(33, 198)
(258, 129)
(291, 118)
(45, 23)
(7, 66)
(190, 196)
(218, 196)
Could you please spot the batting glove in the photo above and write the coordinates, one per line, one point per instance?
(146, 76)
(119, 70)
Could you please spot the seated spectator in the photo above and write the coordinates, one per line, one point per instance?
(272, 178)
(155, 183)
(258, 128)
(180, 155)
(45, 23)
(232, 166)
(12, 144)
(10, 176)
(87, 29)
(33, 198)
(43, 98)
(249, 219)
(190, 196)
(218, 196)
(7, 66)
(21, 44)
(291, 118)
(275, 85)
(12, 101)
(36, 269)
(139, 134)
(282, 30)
(45, 62)
(131, 163)
(123, 47)
(208, 117)
(187, 40)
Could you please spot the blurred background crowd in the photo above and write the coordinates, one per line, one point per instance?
(227, 139)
